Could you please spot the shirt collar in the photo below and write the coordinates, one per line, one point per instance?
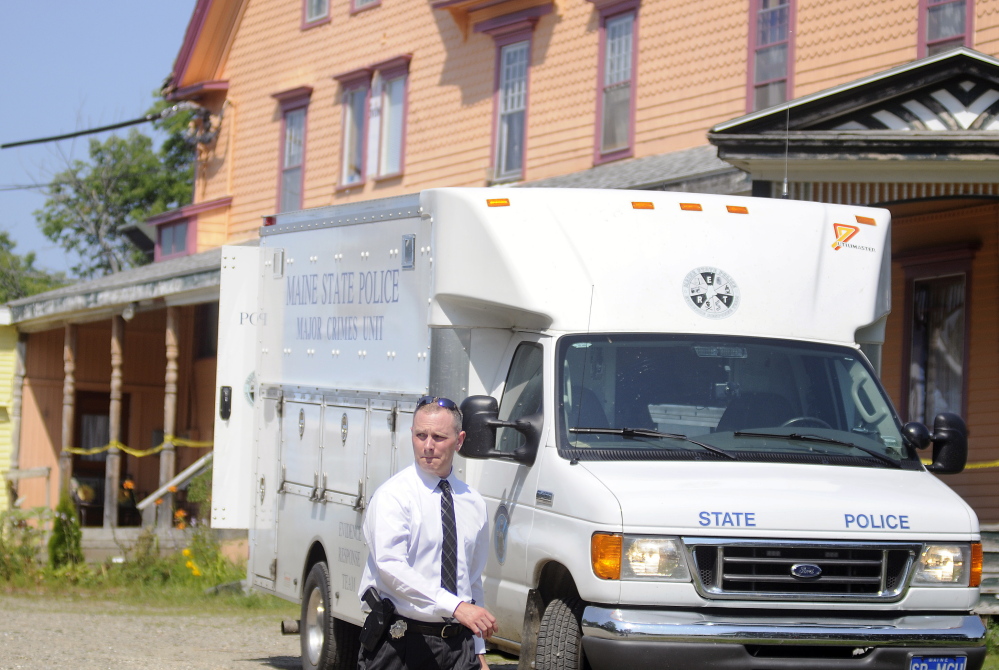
(431, 481)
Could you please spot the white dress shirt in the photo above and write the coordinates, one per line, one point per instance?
(402, 527)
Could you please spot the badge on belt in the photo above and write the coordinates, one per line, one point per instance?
(397, 629)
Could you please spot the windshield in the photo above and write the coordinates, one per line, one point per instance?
(670, 396)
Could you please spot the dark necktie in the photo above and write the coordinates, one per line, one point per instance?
(449, 550)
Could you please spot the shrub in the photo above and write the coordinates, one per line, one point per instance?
(66, 543)
(20, 542)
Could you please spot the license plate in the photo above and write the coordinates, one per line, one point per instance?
(938, 663)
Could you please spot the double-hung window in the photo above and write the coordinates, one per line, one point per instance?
(294, 104)
(771, 54)
(374, 121)
(387, 132)
(945, 24)
(617, 89)
(511, 113)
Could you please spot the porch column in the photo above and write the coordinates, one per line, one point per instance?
(68, 408)
(15, 408)
(168, 455)
(113, 462)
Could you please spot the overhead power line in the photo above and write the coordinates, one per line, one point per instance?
(166, 113)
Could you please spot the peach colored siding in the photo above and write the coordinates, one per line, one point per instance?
(691, 74)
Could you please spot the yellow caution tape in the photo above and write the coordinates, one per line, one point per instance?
(139, 453)
(968, 466)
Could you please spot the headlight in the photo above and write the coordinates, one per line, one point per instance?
(638, 558)
(949, 565)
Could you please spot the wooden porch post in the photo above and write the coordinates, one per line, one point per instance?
(68, 402)
(168, 455)
(16, 400)
(113, 462)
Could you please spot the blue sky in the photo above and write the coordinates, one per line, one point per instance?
(74, 66)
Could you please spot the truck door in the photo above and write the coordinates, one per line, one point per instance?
(509, 488)
(267, 479)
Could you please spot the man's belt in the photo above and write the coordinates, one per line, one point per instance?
(402, 625)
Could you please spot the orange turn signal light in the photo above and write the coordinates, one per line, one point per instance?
(498, 202)
(866, 219)
(737, 209)
(642, 205)
(976, 565)
(691, 207)
(605, 553)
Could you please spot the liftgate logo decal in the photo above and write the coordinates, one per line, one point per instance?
(711, 292)
(845, 233)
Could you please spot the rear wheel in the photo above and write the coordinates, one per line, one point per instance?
(327, 643)
(560, 637)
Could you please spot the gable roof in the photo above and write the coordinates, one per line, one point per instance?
(941, 110)
(206, 43)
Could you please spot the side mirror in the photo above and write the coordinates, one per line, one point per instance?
(950, 444)
(480, 420)
(916, 434)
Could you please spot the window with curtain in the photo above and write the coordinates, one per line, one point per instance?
(354, 108)
(617, 88)
(393, 100)
(936, 359)
(292, 160)
(514, 60)
(771, 57)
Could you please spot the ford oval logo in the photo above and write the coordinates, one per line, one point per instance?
(806, 570)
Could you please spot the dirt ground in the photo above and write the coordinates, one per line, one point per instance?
(93, 635)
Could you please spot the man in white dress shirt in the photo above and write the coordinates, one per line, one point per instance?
(437, 622)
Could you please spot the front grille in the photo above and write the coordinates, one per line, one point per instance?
(771, 570)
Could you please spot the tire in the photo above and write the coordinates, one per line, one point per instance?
(327, 643)
(560, 637)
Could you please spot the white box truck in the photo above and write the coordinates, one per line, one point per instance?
(672, 410)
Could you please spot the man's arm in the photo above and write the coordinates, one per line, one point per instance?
(387, 530)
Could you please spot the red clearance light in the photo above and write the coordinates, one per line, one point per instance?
(737, 209)
(498, 202)
(866, 219)
(642, 205)
(269, 220)
(691, 207)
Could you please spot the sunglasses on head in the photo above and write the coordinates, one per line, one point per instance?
(446, 403)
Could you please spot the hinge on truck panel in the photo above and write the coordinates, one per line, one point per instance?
(359, 504)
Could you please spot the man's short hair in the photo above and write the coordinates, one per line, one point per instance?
(435, 405)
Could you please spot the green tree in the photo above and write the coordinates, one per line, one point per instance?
(125, 181)
(19, 277)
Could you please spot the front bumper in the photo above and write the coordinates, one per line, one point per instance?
(639, 638)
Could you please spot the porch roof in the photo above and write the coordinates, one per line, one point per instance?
(689, 170)
(186, 280)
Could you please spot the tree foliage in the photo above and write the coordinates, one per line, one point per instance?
(124, 181)
(66, 542)
(19, 277)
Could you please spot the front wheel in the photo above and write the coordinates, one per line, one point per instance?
(560, 637)
(327, 643)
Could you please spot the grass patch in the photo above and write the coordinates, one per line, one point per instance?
(199, 577)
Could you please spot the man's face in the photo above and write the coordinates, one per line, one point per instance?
(435, 441)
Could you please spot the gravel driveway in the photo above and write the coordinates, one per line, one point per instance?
(79, 634)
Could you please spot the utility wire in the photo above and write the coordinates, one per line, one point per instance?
(168, 112)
